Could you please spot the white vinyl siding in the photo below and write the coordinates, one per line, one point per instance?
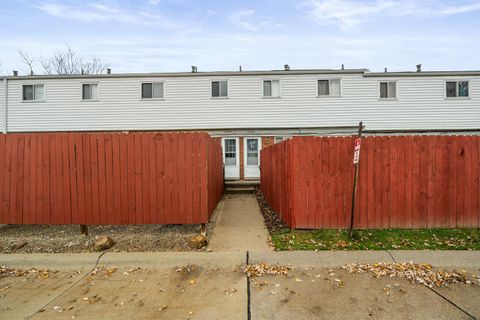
(152, 90)
(271, 88)
(189, 106)
(329, 87)
(33, 92)
(2, 106)
(388, 90)
(219, 89)
(90, 91)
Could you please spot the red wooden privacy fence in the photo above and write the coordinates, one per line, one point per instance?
(109, 178)
(404, 181)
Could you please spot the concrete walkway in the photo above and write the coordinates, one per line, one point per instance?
(298, 259)
(240, 225)
(206, 285)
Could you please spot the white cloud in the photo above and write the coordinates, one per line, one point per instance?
(154, 2)
(468, 7)
(95, 12)
(247, 19)
(347, 14)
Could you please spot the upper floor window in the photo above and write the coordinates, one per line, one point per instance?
(33, 92)
(329, 87)
(271, 88)
(219, 89)
(152, 90)
(90, 91)
(456, 89)
(388, 90)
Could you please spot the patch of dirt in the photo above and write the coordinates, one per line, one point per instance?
(272, 220)
(67, 238)
(128, 238)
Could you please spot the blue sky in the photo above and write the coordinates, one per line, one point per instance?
(172, 35)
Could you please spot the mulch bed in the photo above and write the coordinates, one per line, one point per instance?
(67, 238)
(128, 238)
(272, 220)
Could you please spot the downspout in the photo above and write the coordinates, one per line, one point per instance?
(5, 109)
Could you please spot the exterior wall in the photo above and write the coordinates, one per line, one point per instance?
(420, 104)
(242, 159)
(2, 106)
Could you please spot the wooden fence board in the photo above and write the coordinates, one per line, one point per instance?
(404, 181)
(109, 178)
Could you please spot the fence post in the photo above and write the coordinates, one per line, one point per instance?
(83, 229)
(355, 178)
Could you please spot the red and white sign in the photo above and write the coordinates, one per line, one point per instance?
(356, 153)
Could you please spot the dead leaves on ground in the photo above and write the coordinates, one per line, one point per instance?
(33, 272)
(262, 269)
(423, 274)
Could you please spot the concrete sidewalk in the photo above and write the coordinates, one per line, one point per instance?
(240, 225)
(155, 286)
(301, 259)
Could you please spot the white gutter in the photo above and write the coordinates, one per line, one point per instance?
(5, 110)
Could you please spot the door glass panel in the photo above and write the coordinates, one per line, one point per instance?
(252, 152)
(230, 152)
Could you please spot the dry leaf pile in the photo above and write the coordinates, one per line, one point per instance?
(33, 272)
(262, 269)
(417, 273)
(103, 271)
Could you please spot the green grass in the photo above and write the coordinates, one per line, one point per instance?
(392, 239)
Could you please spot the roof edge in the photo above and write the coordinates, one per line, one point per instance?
(191, 74)
(423, 73)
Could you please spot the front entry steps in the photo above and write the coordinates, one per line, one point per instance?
(241, 186)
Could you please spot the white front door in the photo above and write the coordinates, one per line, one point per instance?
(230, 147)
(251, 152)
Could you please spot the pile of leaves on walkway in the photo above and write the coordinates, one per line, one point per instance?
(264, 269)
(272, 220)
(33, 272)
(417, 273)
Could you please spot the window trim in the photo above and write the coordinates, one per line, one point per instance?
(219, 97)
(329, 95)
(81, 91)
(279, 89)
(34, 84)
(456, 89)
(152, 99)
(387, 98)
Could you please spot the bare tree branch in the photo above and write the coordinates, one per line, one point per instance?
(28, 60)
(67, 62)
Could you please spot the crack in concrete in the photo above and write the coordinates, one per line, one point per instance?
(439, 294)
(67, 289)
(249, 309)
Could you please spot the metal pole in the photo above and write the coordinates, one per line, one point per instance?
(355, 178)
